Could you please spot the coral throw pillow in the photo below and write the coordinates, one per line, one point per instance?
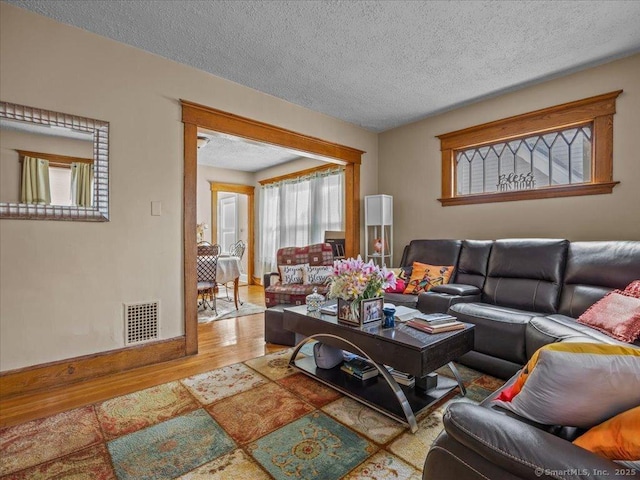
(617, 314)
(424, 277)
(616, 439)
(575, 384)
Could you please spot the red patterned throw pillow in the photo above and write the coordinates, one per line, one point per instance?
(617, 314)
(399, 288)
(633, 288)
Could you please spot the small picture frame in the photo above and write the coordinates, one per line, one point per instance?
(345, 315)
(370, 310)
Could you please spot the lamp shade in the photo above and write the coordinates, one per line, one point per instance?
(379, 209)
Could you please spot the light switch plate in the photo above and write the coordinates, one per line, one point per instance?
(156, 208)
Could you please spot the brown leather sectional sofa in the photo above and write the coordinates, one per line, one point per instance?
(521, 294)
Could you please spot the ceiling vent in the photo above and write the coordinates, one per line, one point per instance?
(142, 322)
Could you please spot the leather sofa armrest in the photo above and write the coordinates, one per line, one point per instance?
(456, 289)
(522, 449)
(268, 280)
(435, 302)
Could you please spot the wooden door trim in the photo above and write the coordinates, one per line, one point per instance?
(195, 115)
(249, 191)
(225, 122)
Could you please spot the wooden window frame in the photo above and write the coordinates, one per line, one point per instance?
(598, 111)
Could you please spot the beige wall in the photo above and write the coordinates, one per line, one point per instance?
(62, 284)
(410, 169)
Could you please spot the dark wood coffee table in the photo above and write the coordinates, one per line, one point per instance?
(403, 348)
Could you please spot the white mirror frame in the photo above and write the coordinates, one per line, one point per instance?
(99, 212)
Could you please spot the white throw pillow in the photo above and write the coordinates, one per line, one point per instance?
(575, 384)
(317, 275)
(292, 274)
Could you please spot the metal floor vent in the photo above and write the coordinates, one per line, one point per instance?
(142, 322)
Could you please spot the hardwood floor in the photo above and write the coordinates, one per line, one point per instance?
(220, 343)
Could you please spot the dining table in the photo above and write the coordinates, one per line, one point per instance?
(227, 270)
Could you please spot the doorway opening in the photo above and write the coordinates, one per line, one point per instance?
(195, 116)
(233, 219)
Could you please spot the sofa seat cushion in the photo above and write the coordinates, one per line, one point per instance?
(292, 294)
(500, 331)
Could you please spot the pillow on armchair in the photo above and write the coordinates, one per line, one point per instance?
(291, 274)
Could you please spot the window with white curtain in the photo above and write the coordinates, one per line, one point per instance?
(297, 212)
(59, 182)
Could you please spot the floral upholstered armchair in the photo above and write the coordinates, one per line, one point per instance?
(300, 270)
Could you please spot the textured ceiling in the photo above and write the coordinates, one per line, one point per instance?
(234, 153)
(377, 64)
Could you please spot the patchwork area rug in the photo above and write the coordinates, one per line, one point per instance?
(227, 309)
(254, 420)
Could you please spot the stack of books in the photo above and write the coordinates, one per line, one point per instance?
(435, 323)
(403, 378)
(359, 368)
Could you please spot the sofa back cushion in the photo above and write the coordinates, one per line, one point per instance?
(526, 274)
(316, 254)
(594, 269)
(473, 262)
(432, 252)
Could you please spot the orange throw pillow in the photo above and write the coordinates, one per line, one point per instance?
(615, 439)
(424, 276)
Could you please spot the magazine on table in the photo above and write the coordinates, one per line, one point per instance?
(404, 314)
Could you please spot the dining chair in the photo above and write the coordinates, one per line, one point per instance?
(207, 268)
(235, 250)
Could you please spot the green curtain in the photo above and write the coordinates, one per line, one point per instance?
(35, 181)
(81, 184)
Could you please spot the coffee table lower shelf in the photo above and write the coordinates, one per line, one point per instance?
(376, 392)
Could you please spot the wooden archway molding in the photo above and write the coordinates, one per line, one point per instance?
(195, 116)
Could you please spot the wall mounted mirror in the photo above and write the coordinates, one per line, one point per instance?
(72, 157)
